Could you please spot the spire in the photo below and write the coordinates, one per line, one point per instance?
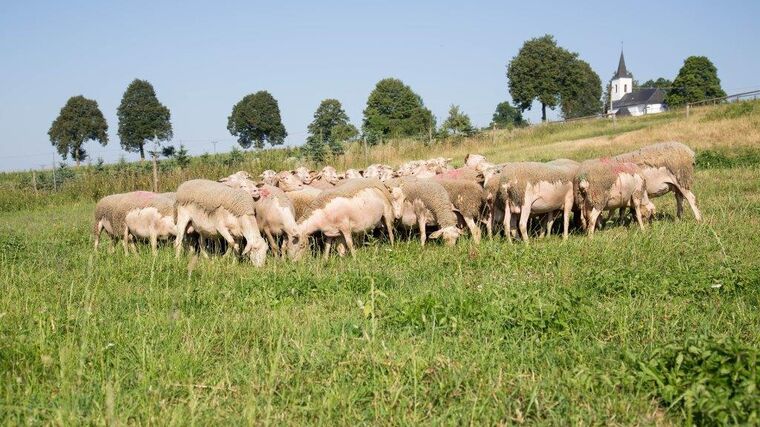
(621, 70)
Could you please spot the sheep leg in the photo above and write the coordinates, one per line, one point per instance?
(96, 234)
(524, 216)
(569, 200)
(125, 241)
(693, 204)
(592, 221)
(474, 229)
(489, 221)
(349, 241)
(182, 221)
(621, 215)
(111, 247)
(507, 223)
(637, 209)
(421, 224)
(328, 248)
(340, 246)
(272, 243)
(388, 218)
(154, 242)
(132, 244)
(550, 217)
(232, 244)
(202, 246)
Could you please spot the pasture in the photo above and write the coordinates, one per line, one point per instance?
(630, 327)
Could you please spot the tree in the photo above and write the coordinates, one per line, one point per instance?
(79, 121)
(536, 74)
(142, 118)
(697, 80)
(329, 129)
(581, 91)
(660, 83)
(393, 111)
(457, 123)
(256, 120)
(507, 116)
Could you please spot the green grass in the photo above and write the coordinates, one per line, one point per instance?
(555, 333)
(631, 327)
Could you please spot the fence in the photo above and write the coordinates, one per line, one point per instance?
(744, 96)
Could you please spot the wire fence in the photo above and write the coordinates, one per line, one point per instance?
(744, 96)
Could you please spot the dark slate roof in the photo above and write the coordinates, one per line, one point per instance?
(623, 112)
(622, 71)
(641, 96)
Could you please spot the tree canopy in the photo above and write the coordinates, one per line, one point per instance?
(329, 130)
(697, 80)
(394, 110)
(507, 116)
(660, 83)
(142, 118)
(256, 120)
(581, 90)
(79, 121)
(536, 74)
(457, 123)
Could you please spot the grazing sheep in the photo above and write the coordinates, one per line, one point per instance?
(302, 199)
(465, 173)
(303, 173)
(477, 162)
(275, 214)
(607, 184)
(139, 214)
(423, 202)
(214, 209)
(537, 188)
(326, 179)
(355, 206)
(667, 166)
(469, 199)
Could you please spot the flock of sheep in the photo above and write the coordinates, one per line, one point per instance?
(301, 210)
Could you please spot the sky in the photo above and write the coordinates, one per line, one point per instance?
(203, 57)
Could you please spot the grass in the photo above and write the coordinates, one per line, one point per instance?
(576, 332)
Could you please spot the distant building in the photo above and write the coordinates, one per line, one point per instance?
(626, 101)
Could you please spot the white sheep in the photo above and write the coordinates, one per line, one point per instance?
(423, 202)
(214, 209)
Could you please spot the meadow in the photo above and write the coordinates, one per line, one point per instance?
(630, 328)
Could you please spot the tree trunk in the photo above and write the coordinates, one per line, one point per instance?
(76, 157)
(142, 151)
(543, 112)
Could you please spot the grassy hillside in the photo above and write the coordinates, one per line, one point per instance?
(653, 327)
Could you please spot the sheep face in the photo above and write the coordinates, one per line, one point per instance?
(288, 181)
(329, 174)
(269, 177)
(473, 160)
(448, 234)
(397, 201)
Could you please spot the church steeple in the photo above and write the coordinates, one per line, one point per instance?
(621, 70)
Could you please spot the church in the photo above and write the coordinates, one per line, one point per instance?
(626, 101)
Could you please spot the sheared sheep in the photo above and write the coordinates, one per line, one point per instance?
(215, 209)
(423, 202)
(469, 199)
(139, 214)
(288, 181)
(537, 188)
(378, 171)
(477, 162)
(667, 166)
(352, 174)
(607, 184)
(355, 206)
(269, 177)
(465, 173)
(275, 214)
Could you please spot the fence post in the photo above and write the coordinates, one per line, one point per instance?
(34, 181)
(687, 110)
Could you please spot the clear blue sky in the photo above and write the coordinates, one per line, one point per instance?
(202, 57)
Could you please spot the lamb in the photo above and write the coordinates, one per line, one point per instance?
(214, 209)
(275, 213)
(469, 199)
(537, 188)
(667, 166)
(606, 184)
(355, 206)
(424, 202)
(139, 214)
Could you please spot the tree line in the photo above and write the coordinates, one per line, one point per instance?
(542, 72)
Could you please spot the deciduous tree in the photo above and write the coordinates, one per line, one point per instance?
(697, 80)
(142, 118)
(535, 74)
(394, 110)
(457, 123)
(581, 90)
(329, 130)
(256, 120)
(79, 121)
(507, 116)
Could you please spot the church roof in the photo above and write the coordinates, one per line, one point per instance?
(642, 96)
(621, 70)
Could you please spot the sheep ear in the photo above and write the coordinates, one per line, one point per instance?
(259, 185)
(436, 234)
(225, 179)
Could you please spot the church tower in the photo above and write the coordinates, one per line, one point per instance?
(622, 81)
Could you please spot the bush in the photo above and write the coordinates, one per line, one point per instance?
(711, 381)
(709, 159)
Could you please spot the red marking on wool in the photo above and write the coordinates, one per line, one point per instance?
(264, 193)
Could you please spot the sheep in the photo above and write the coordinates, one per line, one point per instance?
(378, 171)
(214, 209)
(352, 174)
(302, 199)
(288, 181)
(537, 188)
(469, 199)
(269, 177)
(606, 184)
(303, 173)
(424, 202)
(477, 162)
(275, 213)
(139, 214)
(667, 166)
(326, 179)
(355, 206)
(465, 173)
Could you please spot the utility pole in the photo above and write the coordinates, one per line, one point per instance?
(34, 181)
(214, 144)
(493, 133)
(55, 185)
(155, 166)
